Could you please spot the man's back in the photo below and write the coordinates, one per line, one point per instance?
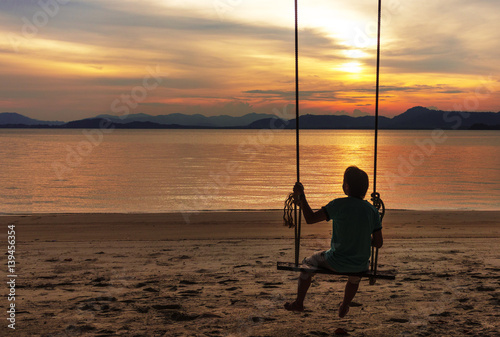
(354, 221)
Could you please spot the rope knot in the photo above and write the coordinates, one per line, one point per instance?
(378, 203)
(376, 199)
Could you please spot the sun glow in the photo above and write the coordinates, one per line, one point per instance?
(351, 67)
(356, 53)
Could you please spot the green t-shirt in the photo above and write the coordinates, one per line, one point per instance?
(354, 221)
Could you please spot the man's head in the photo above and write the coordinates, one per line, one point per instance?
(355, 182)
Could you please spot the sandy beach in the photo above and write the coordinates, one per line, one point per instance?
(214, 274)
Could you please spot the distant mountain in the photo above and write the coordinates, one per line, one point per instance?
(339, 122)
(191, 120)
(423, 118)
(269, 123)
(414, 118)
(481, 126)
(104, 123)
(13, 118)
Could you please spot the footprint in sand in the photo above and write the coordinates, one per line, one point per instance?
(102, 284)
(142, 310)
(143, 284)
(483, 288)
(256, 319)
(182, 317)
(187, 282)
(398, 320)
(166, 306)
(494, 300)
(190, 293)
(151, 290)
(101, 303)
(227, 281)
(72, 329)
(182, 257)
(272, 284)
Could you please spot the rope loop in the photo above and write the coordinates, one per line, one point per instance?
(379, 204)
(288, 211)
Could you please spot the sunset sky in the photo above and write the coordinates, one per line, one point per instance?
(73, 59)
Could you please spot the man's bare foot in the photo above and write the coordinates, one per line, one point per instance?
(294, 306)
(343, 310)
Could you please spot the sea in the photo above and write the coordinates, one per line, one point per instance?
(149, 171)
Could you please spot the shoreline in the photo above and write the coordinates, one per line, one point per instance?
(236, 225)
(451, 210)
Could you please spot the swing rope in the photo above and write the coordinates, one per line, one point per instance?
(297, 129)
(375, 196)
(376, 102)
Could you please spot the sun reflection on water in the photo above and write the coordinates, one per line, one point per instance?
(171, 170)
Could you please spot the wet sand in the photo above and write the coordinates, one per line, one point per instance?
(214, 274)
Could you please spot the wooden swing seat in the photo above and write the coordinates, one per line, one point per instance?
(370, 274)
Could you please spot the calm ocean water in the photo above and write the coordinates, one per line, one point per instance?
(172, 170)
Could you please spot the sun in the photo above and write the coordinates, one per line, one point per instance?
(350, 67)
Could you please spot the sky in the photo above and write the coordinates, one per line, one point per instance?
(72, 59)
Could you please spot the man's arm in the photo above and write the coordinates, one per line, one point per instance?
(310, 215)
(377, 239)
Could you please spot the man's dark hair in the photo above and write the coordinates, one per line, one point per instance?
(357, 180)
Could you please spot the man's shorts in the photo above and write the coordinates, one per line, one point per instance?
(318, 260)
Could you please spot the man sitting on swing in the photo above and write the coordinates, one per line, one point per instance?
(356, 227)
